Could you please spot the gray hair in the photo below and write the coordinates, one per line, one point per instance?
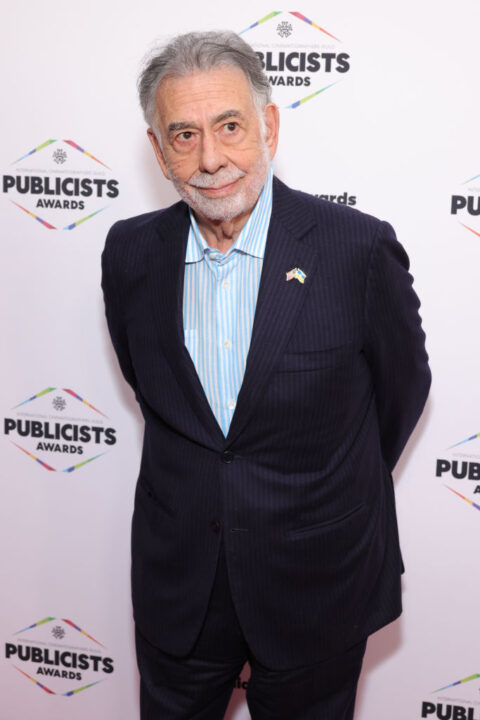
(194, 51)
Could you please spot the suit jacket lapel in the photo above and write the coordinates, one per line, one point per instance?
(166, 278)
(279, 302)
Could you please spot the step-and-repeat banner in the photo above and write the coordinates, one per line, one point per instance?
(379, 111)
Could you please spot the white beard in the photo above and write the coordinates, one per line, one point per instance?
(224, 208)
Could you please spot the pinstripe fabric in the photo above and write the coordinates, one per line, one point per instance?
(219, 300)
(300, 489)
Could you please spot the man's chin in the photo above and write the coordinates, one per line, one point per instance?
(240, 201)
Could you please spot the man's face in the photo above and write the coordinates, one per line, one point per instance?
(214, 148)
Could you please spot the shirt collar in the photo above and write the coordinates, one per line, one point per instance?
(253, 236)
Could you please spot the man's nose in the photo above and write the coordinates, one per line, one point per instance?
(212, 157)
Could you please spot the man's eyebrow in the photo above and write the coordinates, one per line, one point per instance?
(174, 126)
(179, 126)
(227, 114)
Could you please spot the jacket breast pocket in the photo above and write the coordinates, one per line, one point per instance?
(316, 359)
(349, 518)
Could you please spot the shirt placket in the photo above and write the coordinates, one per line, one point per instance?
(223, 271)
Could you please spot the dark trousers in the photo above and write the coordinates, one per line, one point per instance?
(199, 686)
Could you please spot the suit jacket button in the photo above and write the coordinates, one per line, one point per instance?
(227, 456)
(215, 525)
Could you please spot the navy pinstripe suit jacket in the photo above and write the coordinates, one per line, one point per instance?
(335, 381)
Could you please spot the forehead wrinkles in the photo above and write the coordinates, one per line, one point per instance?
(205, 91)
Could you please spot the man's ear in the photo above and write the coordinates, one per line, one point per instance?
(158, 152)
(272, 124)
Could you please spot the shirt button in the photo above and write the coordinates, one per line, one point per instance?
(215, 525)
(226, 284)
(227, 456)
(231, 404)
(228, 344)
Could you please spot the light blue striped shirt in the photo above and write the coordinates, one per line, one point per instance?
(219, 301)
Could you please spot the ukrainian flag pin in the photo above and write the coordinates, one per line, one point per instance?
(297, 274)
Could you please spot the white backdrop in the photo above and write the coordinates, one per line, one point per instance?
(395, 133)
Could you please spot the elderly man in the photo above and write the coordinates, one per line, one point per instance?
(274, 345)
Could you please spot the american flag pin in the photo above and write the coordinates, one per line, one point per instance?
(297, 274)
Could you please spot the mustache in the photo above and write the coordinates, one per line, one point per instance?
(214, 180)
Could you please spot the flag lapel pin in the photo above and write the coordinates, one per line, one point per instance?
(297, 274)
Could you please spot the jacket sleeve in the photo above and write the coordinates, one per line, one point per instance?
(394, 344)
(111, 286)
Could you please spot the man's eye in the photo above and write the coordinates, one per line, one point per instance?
(230, 127)
(186, 135)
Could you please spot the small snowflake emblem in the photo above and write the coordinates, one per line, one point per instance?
(59, 156)
(59, 403)
(284, 29)
(58, 632)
